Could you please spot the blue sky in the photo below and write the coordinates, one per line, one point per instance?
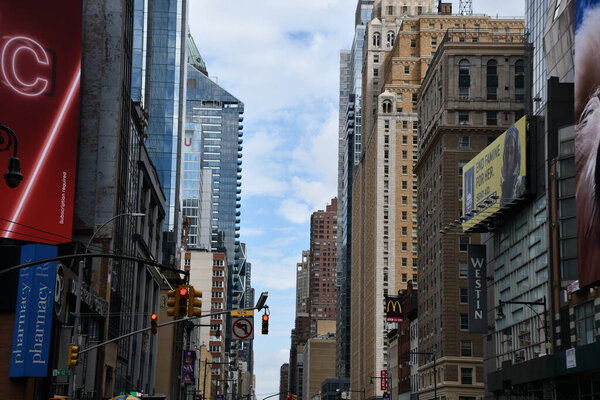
(281, 58)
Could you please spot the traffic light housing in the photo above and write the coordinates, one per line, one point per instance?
(73, 354)
(153, 323)
(173, 303)
(265, 324)
(182, 302)
(194, 302)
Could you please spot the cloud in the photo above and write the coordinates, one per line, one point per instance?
(294, 211)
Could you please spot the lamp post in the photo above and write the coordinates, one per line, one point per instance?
(76, 321)
(13, 177)
(434, 369)
(529, 304)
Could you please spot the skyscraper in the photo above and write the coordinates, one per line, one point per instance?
(349, 154)
(165, 102)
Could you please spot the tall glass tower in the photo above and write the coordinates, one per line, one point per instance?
(165, 102)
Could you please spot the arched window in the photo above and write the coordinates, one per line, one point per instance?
(376, 39)
(492, 80)
(390, 38)
(464, 79)
(387, 106)
(519, 80)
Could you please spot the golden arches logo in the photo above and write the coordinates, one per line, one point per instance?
(395, 306)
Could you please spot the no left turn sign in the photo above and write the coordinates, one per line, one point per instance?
(243, 328)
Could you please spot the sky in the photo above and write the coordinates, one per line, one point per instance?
(281, 58)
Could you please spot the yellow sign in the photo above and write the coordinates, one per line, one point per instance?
(393, 309)
(242, 313)
(495, 178)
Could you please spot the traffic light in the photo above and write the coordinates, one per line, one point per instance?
(173, 303)
(73, 354)
(265, 324)
(153, 323)
(182, 300)
(194, 302)
(289, 396)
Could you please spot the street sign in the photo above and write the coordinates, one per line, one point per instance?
(61, 372)
(242, 313)
(242, 328)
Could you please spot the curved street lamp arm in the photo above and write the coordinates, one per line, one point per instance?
(107, 222)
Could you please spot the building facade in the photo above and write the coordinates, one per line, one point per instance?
(473, 90)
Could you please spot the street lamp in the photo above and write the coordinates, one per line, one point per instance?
(76, 321)
(13, 177)
(500, 314)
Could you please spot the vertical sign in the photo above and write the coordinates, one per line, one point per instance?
(33, 316)
(40, 65)
(393, 309)
(383, 383)
(477, 289)
(188, 363)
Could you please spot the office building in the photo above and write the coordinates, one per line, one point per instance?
(321, 300)
(474, 89)
(319, 364)
(164, 99)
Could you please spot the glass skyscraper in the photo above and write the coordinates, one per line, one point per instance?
(164, 100)
(211, 176)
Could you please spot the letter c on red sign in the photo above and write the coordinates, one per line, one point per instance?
(13, 66)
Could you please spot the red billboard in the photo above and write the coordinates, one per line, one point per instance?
(40, 68)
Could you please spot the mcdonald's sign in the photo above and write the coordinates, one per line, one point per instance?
(393, 309)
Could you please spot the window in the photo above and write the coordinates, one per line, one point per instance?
(466, 376)
(404, 246)
(584, 323)
(463, 118)
(404, 231)
(464, 142)
(404, 169)
(461, 165)
(464, 295)
(404, 155)
(491, 118)
(404, 216)
(404, 124)
(464, 79)
(375, 71)
(404, 139)
(390, 39)
(404, 9)
(390, 10)
(407, 69)
(387, 106)
(464, 322)
(433, 41)
(404, 200)
(404, 185)
(419, 10)
(404, 262)
(519, 80)
(376, 39)
(375, 58)
(386, 124)
(404, 277)
(492, 80)
(463, 269)
(413, 42)
(466, 348)
(463, 243)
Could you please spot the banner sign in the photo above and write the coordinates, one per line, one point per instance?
(188, 363)
(496, 176)
(32, 332)
(587, 140)
(393, 309)
(477, 289)
(40, 68)
(383, 376)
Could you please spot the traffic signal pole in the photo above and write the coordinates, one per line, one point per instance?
(160, 326)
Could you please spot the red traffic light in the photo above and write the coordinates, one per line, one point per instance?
(154, 316)
(183, 291)
(265, 318)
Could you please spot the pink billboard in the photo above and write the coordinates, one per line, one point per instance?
(40, 67)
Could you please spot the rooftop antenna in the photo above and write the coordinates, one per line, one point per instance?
(466, 7)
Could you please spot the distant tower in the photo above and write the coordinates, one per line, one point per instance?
(466, 7)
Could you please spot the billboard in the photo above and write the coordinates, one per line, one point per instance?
(587, 140)
(40, 64)
(393, 309)
(477, 289)
(495, 177)
(32, 333)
